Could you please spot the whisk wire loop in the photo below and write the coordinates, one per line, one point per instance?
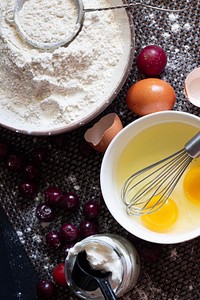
(160, 180)
(129, 182)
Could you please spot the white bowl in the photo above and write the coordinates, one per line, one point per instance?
(111, 190)
(105, 95)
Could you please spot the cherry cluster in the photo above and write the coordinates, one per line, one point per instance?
(67, 202)
(55, 200)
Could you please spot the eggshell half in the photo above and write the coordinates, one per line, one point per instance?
(102, 133)
(192, 87)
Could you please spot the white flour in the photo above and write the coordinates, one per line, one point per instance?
(48, 89)
(48, 21)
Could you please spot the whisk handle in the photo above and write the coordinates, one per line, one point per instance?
(193, 146)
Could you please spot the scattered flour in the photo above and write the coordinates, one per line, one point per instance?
(20, 236)
(191, 287)
(49, 89)
(175, 27)
(173, 17)
(166, 35)
(174, 254)
(187, 26)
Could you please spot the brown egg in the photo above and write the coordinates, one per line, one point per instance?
(150, 95)
(102, 133)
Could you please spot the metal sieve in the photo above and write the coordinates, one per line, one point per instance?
(68, 38)
(48, 45)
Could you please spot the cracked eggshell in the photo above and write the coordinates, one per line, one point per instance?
(102, 133)
(192, 87)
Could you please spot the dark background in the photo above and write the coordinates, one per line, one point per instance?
(169, 272)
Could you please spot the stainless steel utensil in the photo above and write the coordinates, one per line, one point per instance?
(128, 6)
(159, 178)
(14, 18)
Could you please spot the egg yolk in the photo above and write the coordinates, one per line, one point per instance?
(162, 219)
(191, 184)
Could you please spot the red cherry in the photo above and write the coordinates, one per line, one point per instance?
(151, 61)
(45, 289)
(59, 275)
(91, 209)
(53, 239)
(69, 202)
(69, 232)
(53, 195)
(88, 228)
(44, 213)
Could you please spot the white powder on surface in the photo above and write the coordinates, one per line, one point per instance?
(49, 89)
(187, 26)
(166, 35)
(175, 27)
(173, 17)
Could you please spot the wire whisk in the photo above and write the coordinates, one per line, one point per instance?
(158, 179)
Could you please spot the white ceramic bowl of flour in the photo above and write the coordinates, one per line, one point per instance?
(46, 92)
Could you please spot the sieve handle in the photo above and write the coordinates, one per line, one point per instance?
(193, 146)
(130, 5)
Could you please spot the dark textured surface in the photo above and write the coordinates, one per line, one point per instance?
(175, 275)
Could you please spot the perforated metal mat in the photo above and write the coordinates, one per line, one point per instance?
(175, 275)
